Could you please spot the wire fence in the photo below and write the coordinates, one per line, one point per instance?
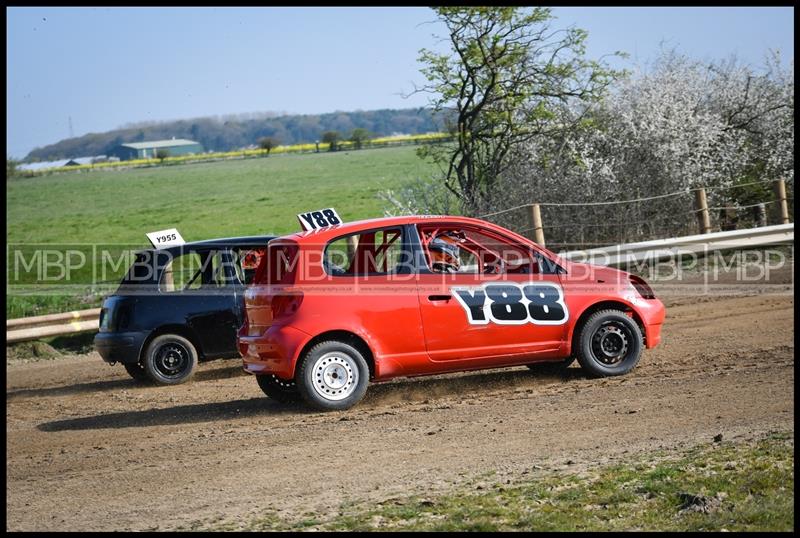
(585, 224)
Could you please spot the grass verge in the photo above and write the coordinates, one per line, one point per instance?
(46, 349)
(741, 486)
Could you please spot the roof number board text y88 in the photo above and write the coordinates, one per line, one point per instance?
(314, 220)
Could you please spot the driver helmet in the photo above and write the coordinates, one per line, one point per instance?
(251, 259)
(444, 252)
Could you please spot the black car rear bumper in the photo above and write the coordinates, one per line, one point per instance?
(119, 347)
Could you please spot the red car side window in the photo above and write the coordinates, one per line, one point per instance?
(370, 252)
(474, 251)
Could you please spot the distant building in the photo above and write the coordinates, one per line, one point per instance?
(148, 150)
(85, 160)
(32, 167)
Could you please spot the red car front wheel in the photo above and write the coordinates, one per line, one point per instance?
(610, 343)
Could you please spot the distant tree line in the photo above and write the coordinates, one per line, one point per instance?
(230, 134)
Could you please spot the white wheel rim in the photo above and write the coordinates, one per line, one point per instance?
(335, 376)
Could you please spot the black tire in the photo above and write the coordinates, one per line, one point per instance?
(278, 389)
(610, 343)
(551, 367)
(136, 371)
(335, 362)
(170, 360)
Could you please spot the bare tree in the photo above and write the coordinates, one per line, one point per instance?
(506, 79)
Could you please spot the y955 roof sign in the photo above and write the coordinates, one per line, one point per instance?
(314, 220)
(165, 238)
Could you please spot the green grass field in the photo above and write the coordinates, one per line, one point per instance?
(220, 199)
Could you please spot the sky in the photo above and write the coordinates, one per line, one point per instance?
(102, 68)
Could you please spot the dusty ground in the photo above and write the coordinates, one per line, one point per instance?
(88, 449)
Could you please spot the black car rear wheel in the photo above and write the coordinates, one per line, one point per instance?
(170, 359)
(278, 389)
(136, 371)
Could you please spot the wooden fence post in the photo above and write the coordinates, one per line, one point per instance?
(536, 220)
(780, 196)
(760, 215)
(728, 218)
(702, 211)
(351, 245)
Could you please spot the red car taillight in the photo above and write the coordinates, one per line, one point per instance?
(642, 287)
(286, 305)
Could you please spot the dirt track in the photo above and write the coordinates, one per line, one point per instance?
(88, 449)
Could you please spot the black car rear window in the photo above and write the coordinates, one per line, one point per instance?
(142, 270)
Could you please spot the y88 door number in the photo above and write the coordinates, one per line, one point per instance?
(510, 303)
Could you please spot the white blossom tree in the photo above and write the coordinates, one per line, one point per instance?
(678, 125)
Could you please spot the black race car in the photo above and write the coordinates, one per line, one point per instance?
(177, 306)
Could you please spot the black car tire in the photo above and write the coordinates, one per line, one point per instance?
(621, 337)
(278, 389)
(551, 367)
(136, 371)
(170, 359)
(336, 369)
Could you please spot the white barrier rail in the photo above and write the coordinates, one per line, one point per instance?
(660, 249)
(23, 329)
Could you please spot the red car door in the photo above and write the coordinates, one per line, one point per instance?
(498, 306)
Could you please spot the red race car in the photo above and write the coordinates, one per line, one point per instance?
(339, 305)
